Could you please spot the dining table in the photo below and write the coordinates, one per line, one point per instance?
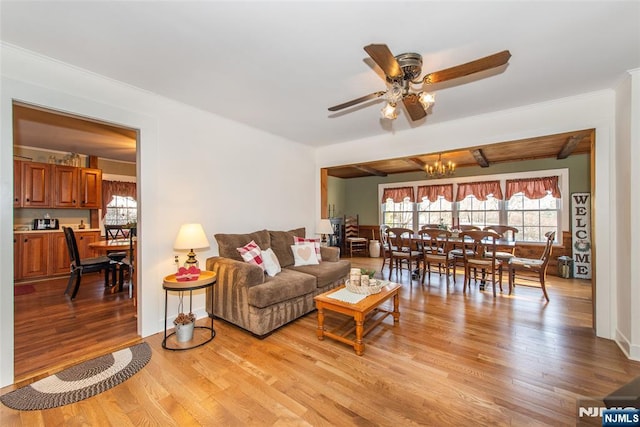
(117, 245)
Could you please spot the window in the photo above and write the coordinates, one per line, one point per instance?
(122, 210)
(435, 212)
(532, 202)
(398, 214)
(533, 217)
(472, 211)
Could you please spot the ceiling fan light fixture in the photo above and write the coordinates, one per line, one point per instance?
(389, 111)
(426, 99)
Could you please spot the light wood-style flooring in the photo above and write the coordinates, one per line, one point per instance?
(453, 359)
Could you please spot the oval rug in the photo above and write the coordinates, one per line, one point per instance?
(80, 381)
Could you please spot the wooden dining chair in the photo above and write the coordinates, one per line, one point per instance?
(476, 245)
(532, 267)
(436, 250)
(506, 233)
(80, 266)
(385, 247)
(403, 251)
(352, 239)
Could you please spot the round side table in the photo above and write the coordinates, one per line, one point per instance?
(206, 280)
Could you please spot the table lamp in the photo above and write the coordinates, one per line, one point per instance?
(324, 228)
(190, 237)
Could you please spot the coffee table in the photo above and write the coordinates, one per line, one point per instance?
(361, 311)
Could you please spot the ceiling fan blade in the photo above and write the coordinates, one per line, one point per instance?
(486, 63)
(382, 56)
(347, 104)
(413, 107)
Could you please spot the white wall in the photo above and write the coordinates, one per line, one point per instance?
(192, 167)
(592, 110)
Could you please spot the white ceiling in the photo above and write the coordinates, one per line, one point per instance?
(278, 66)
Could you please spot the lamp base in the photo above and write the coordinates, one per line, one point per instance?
(191, 260)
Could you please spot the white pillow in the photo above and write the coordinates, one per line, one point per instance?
(304, 254)
(271, 263)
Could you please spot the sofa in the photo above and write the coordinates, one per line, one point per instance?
(246, 296)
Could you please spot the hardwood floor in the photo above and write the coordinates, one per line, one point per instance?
(52, 332)
(453, 359)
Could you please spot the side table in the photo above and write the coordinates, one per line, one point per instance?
(206, 280)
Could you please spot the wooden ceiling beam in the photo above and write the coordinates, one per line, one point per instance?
(369, 170)
(417, 162)
(570, 145)
(480, 158)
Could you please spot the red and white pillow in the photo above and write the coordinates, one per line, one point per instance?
(316, 244)
(252, 254)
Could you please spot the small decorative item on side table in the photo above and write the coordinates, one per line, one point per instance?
(182, 282)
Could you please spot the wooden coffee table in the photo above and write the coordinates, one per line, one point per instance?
(364, 310)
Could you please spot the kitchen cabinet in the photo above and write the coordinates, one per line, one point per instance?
(42, 185)
(90, 188)
(33, 254)
(66, 187)
(76, 187)
(35, 185)
(42, 254)
(17, 183)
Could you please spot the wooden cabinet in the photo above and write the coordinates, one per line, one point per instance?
(90, 188)
(76, 187)
(41, 185)
(17, 183)
(66, 187)
(33, 252)
(35, 185)
(39, 254)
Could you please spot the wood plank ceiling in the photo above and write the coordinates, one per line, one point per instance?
(557, 146)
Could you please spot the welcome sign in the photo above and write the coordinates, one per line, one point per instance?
(581, 234)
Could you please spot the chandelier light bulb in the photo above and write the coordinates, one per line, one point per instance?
(389, 111)
(426, 99)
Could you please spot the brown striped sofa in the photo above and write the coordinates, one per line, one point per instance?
(245, 296)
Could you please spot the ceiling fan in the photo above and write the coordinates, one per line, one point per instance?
(403, 71)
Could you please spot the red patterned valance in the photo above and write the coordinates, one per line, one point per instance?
(432, 192)
(397, 194)
(534, 188)
(480, 190)
(116, 188)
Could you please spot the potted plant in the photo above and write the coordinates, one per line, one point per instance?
(184, 326)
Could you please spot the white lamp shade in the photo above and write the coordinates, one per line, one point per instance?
(191, 236)
(324, 227)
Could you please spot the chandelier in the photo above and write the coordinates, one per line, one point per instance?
(440, 169)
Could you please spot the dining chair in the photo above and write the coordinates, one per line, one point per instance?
(352, 239)
(403, 251)
(468, 227)
(532, 267)
(118, 232)
(506, 233)
(80, 266)
(385, 248)
(436, 250)
(476, 244)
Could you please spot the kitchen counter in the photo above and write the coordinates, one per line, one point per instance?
(75, 229)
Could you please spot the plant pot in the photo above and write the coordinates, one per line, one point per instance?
(184, 333)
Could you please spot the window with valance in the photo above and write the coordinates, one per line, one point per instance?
(534, 188)
(480, 190)
(432, 192)
(119, 205)
(398, 195)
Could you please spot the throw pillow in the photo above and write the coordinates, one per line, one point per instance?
(271, 263)
(304, 254)
(316, 244)
(252, 254)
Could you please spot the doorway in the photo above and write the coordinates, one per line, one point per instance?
(105, 320)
